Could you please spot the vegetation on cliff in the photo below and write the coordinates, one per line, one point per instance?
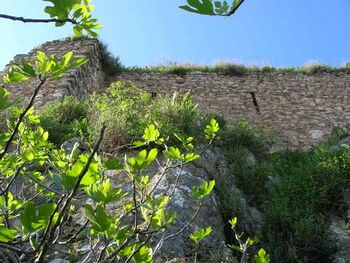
(297, 191)
(45, 189)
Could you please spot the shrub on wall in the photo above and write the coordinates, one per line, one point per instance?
(242, 135)
(120, 108)
(230, 69)
(111, 64)
(65, 119)
(126, 110)
(174, 114)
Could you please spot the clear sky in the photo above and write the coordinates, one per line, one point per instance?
(149, 32)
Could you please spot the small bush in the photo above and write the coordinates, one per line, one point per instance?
(267, 69)
(308, 190)
(127, 110)
(180, 69)
(230, 69)
(242, 135)
(111, 64)
(298, 191)
(65, 119)
(121, 108)
(314, 67)
(336, 136)
(174, 114)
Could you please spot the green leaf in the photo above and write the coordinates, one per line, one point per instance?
(15, 75)
(113, 164)
(152, 155)
(200, 234)
(66, 59)
(6, 234)
(233, 222)
(203, 190)
(262, 257)
(235, 4)
(211, 129)
(4, 137)
(190, 157)
(34, 219)
(144, 255)
(69, 178)
(28, 69)
(151, 134)
(78, 62)
(99, 219)
(28, 155)
(61, 8)
(204, 7)
(207, 7)
(103, 192)
(4, 101)
(173, 153)
(143, 160)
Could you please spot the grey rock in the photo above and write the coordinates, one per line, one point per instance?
(342, 236)
(70, 144)
(346, 140)
(59, 260)
(180, 248)
(215, 164)
(213, 248)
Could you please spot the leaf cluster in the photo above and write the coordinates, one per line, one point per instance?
(212, 8)
(76, 11)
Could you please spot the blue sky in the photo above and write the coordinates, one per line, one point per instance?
(149, 32)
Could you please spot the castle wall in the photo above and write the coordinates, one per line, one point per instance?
(79, 82)
(298, 109)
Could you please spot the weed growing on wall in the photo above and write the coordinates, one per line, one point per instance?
(65, 119)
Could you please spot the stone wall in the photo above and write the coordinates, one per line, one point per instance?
(79, 82)
(298, 109)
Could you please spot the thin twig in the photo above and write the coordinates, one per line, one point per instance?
(18, 170)
(136, 210)
(160, 244)
(47, 188)
(33, 20)
(75, 236)
(103, 250)
(235, 9)
(115, 253)
(138, 249)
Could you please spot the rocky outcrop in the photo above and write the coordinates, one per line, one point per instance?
(180, 248)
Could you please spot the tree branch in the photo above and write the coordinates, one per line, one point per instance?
(18, 170)
(21, 117)
(31, 20)
(234, 10)
(161, 242)
(45, 243)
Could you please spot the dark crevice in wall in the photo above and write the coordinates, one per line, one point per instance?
(255, 102)
(153, 95)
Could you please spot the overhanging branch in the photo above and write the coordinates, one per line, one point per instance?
(235, 9)
(32, 20)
